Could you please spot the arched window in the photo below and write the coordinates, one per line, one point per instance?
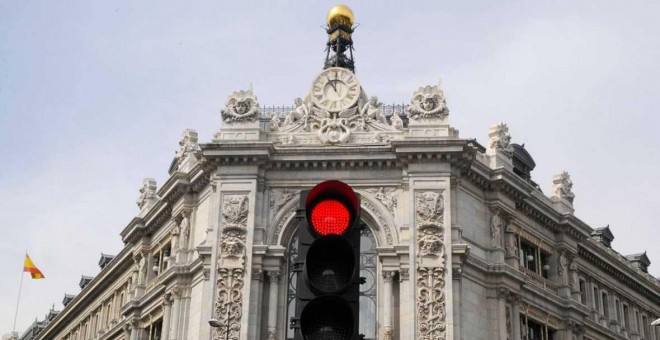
(368, 291)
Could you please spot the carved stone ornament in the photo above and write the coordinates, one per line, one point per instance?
(279, 197)
(386, 196)
(388, 333)
(229, 303)
(508, 323)
(499, 139)
(562, 262)
(187, 144)
(241, 106)
(272, 333)
(235, 210)
(430, 209)
(147, 192)
(428, 102)
(562, 186)
(496, 224)
(333, 126)
(511, 245)
(431, 302)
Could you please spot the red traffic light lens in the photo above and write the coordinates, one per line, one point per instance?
(330, 217)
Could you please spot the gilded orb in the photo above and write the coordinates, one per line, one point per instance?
(340, 14)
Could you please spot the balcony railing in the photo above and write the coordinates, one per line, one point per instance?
(539, 280)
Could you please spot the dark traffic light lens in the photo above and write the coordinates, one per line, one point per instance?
(327, 318)
(330, 217)
(330, 264)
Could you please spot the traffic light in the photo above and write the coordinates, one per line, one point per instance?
(327, 290)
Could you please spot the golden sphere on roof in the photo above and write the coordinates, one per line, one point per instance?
(340, 14)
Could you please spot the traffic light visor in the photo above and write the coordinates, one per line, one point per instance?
(331, 208)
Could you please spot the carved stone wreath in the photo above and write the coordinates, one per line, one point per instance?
(428, 102)
(241, 106)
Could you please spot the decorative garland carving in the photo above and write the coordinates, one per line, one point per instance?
(229, 303)
(231, 271)
(431, 301)
(381, 220)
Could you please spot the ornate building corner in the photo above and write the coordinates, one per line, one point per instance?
(148, 196)
(185, 159)
(231, 266)
(431, 301)
(240, 117)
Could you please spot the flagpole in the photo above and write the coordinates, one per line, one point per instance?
(20, 287)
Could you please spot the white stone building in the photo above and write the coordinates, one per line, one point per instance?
(460, 244)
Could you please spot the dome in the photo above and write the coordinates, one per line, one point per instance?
(340, 14)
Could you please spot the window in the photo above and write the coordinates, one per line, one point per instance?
(155, 330)
(534, 259)
(368, 291)
(583, 292)
(626, 317)
(645, 327)
(606, 305)
(161, 259)
(532, 330)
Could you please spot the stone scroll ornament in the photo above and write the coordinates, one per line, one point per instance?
(334, 127)
(431, 299)
(241, 106)
(231, 268)
(428, 102)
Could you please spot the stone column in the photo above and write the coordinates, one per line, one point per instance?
(135, 331)
(175, 313)
(515, 317)
(167, 310)
(273, 293)
(388, 327)
(504, 319)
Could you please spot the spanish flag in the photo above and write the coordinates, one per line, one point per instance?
(29, 267)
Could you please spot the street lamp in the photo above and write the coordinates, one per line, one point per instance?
(215, 323)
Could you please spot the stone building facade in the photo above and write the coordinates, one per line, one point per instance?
(460, 241)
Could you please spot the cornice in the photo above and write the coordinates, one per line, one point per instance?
(104, 279)
(594, 253)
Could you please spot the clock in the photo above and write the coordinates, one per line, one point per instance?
(335, 89)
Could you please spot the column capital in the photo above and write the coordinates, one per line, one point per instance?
(273, 275)
(388, 275)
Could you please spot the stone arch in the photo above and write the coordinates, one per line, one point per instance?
(376, 216)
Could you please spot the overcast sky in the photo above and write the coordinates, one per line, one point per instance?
(94, 96)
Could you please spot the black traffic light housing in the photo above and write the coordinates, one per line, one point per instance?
(327, 289)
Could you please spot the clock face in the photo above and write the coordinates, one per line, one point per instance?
(335, 89)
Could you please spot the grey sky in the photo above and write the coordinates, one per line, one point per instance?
(94, 96)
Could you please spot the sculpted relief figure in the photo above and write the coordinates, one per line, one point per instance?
(396, 122)
(496, 228)
(241, 106)
(187, 144)
(562, 186)
(372, 110)
(511, 246)
(274, 123)
(147, 192)
(500, 139)
(428, 102)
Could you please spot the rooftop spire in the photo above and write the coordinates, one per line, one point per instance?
(339, 50)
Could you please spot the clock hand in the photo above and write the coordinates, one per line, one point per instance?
(331, 84)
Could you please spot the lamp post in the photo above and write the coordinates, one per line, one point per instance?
(215, 323)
